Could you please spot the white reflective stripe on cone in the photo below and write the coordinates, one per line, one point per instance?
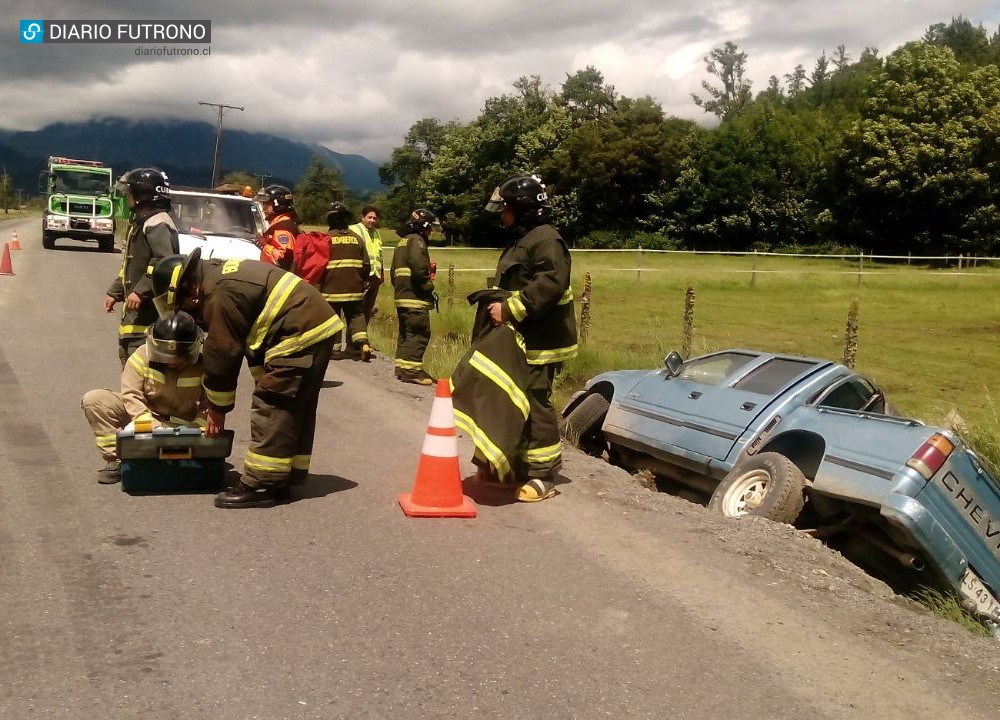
(440, 446)
(442, 414)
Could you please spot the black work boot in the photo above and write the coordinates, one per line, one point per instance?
(244, 496)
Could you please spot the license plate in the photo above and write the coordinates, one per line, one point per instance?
(979, 597)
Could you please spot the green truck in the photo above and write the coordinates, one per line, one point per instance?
(79, 203)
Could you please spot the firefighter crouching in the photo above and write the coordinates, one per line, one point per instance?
(282, 225)
(151, 236)
(535, 267)
(286, 331)
(346, 279)
(161, 383)
(414, 296)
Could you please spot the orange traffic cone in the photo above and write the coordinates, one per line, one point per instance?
(5, 266)
(14, 243)
(437, 491)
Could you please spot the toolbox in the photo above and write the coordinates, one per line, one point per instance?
(173, 460)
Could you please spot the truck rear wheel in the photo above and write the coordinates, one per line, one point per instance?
(768, 485)
(583, 424)
(106, 244)
(48, 240)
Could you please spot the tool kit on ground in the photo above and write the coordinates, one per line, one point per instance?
(172, 460)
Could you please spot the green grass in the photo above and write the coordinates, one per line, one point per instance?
(927, 337)
(946, 606)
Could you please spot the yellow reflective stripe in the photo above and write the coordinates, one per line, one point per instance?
(543, 454)
(401, 272)
(265, 463)
(257, 372)
(230, 266)
(407, 364)
(544, 357)
(275, 300)
(144, 417)
(137, 363)
(567, 296)
(156, 376)
(297, 343)
(414, 304)
(132, 329)
(501, 379)
(486, 446)
(517, 308)
(106, 441)
(149, 269)
(335, 264)
(301, 462)
(191, 381)
(175, 277)
(359, 336)
(221, 399)
(343, 297)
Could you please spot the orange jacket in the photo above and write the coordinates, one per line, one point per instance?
(279, 241)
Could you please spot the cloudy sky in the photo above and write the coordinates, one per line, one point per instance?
(354, 75)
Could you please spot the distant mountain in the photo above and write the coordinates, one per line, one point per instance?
(185, 150)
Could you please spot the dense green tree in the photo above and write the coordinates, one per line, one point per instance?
(421, 145)
(840, 58)
(920, 170)
(969, 42)
(796, 81)
(729, 65)
(241, 178)
(319, 186)
(586, 96)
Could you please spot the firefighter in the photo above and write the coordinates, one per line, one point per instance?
(414, 293)
(151, 235)
(535, 267)
(347, 275)
(367, 230)
(286, 331)
(161, 383)
(282, 225)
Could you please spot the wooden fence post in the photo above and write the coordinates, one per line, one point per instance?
(585, 308)
(638, 267)
(861, 266)
(451, 285)
(753, 269)
(688, 323)
(851, 335)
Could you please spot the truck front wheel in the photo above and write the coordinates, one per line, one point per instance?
(48, 240)
(768, 485)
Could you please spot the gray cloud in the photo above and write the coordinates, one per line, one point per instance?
(355, 76)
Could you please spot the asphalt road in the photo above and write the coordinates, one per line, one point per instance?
(336, 605)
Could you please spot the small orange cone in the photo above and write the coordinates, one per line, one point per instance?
(15, 244)
(437, 491)
(5, 266)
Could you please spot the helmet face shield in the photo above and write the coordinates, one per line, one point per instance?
(496, 202)
(172, 352)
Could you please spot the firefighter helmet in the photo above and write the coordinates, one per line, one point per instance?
(422, 220)
(525, 195)
(338, 216)
(148, 186)
(276, 197)
(174, 338)
(170, 278)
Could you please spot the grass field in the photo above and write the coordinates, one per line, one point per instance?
(927, 337)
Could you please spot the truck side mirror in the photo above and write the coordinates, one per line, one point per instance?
(673, 363)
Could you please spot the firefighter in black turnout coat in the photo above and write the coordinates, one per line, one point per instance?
(346, 278)
(414, 296)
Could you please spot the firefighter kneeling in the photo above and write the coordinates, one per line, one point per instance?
(286, 330)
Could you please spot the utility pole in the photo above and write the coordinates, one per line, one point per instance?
(262, 176)
(218, 136)
(6, 207)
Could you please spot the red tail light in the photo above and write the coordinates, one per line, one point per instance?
(930, 456)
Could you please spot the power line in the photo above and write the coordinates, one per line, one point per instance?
(218, 136)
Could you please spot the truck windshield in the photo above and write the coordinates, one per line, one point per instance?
(81, 182)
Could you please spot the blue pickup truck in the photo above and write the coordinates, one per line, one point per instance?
(807, 441)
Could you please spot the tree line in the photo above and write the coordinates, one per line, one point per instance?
(889, 155)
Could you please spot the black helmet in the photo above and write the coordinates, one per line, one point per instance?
(338, 216)
(170, 276)
(525, 195)
(276, 197)
(149, 187)
(174, 336)
(421, 220)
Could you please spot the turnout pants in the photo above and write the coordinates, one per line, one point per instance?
(283, 416)
(105, 411)
(414, 334)
(354, 319)
(542, 453)
(127, 345)
(371, 297)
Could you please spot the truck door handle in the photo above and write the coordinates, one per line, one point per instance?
(694, 394)
(748, 406)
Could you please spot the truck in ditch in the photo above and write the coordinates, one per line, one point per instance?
(78, 203)
(808, 442)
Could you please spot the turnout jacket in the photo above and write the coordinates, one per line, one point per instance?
(411, 274)
(157, 392)
(260, 311)
(347, 270)
(151, 236)
(536, 269)
(279, 241)
(373, 244)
